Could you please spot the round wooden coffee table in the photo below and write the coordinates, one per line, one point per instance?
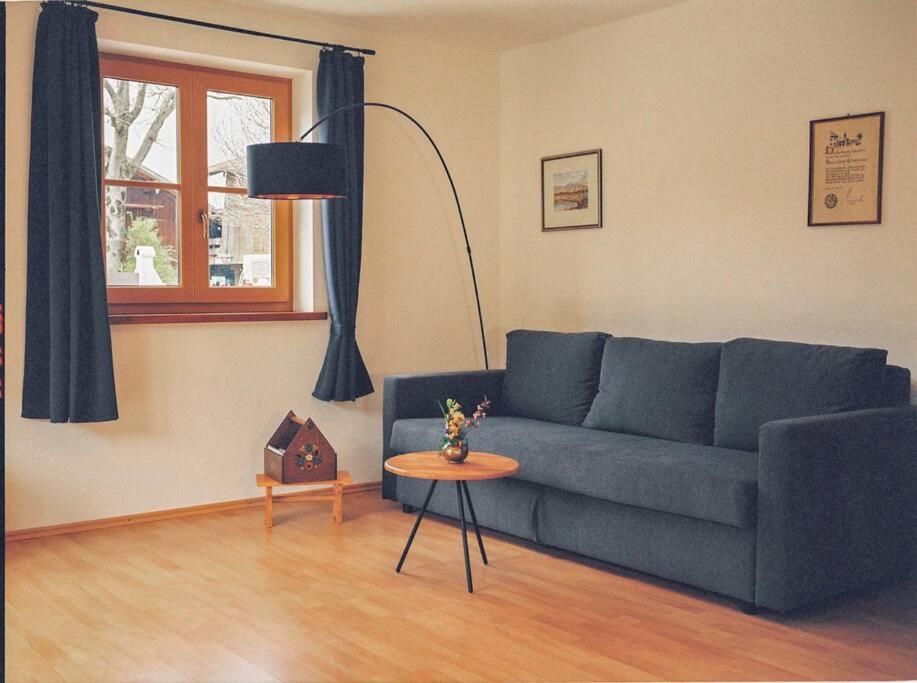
(429, 465)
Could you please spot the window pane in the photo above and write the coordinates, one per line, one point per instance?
(241, 241)
(141, 234)
(233, 123)
(140, 131)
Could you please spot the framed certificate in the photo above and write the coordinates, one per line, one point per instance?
(845, 169)
(571, 191)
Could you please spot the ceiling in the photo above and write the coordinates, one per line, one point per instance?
(488, 24)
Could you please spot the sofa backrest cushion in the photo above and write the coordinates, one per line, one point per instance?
(551, 376)
(896, 387)
(662, 389)
(764, 380)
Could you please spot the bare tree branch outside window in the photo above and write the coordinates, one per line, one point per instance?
(134, 111)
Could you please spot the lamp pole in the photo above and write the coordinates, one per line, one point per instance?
(458, 204)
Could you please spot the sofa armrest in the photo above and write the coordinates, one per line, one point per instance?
(410, 396)
(835, 503)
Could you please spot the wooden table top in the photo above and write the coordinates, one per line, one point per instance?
(429, 465)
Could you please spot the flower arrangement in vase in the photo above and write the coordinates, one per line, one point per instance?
(454, 445)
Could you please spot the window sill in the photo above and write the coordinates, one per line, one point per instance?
(171, 318)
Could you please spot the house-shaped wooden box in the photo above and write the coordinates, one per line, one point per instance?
(299, 453)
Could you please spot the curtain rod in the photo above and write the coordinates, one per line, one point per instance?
(220, 27)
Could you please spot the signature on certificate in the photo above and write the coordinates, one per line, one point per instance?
(851, 199)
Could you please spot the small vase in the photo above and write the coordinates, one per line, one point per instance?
(455, 454)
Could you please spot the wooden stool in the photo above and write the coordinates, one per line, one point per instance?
(336, 495)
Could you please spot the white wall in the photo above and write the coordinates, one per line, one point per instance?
(199, 401)
(702, 111)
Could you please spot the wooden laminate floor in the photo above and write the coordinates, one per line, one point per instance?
(219, 598)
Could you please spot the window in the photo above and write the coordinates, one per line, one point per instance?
(180, 234)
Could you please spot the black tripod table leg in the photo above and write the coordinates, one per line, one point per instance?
(461, 506)
(420, 515)
(474, 521)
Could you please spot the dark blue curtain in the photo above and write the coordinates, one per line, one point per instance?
(339, 83)
(68, 364)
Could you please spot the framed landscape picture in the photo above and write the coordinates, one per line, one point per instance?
(571, 191)
(845, 169)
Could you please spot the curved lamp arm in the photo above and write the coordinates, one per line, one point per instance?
(458, 204)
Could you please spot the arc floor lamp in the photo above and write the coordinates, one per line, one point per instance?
(315, 170)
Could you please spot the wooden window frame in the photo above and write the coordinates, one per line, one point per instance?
(194, 295)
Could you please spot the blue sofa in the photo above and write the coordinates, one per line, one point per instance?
(775, 473)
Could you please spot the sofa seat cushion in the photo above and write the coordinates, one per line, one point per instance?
(551, 376)
(762, 380)
(703, 482)
(662, 389)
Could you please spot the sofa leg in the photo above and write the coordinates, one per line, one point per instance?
(748, 608)
(408, 509)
